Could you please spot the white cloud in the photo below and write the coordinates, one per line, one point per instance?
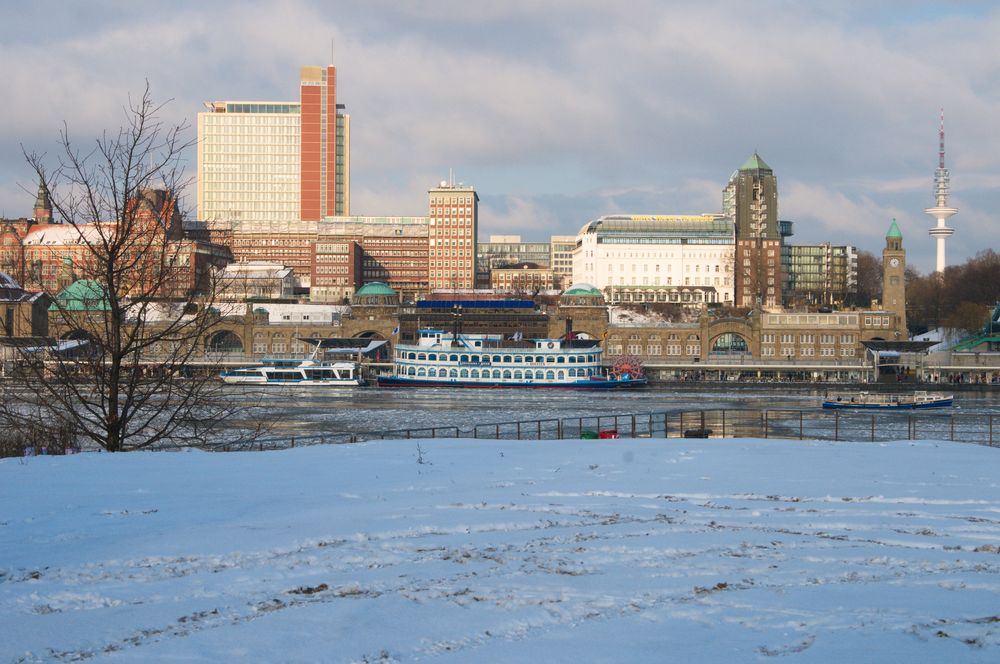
(598, 107)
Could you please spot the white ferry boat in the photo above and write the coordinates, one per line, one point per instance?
(875, 401)
(444, 359)
(300, 372)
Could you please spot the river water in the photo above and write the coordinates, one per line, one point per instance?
(324, 411)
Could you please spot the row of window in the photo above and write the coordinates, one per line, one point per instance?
(770, 351)
(497, 359)
(508, 374)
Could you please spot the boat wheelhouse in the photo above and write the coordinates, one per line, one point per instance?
(445, 359)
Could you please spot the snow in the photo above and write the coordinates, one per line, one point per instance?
(618, 315)
(490, 551)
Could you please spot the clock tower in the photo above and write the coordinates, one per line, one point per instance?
(893, 279)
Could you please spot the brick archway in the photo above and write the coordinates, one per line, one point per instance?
(736, 326)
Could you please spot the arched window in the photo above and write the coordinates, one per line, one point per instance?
(496, 359)
(550, 375)
(464, 373)
(730, 344)
(453, 373)
(518, 375)
(224, 342)
(496, 373)
(432, 356)
(464, 358)
(506, 373)
(422, 356)
(560, 360)
(432, 372)
(453, 358)
(561, 374)
(507, 359)
(411, 371)
(475, 373)
(421, 371)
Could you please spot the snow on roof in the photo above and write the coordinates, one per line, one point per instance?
(62, 234)
(256, 269)
(7, 281)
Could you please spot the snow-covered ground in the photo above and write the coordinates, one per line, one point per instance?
(490, 551)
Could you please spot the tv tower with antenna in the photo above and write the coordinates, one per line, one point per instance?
(941, 211)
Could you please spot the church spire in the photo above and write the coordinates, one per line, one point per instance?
(43, 205)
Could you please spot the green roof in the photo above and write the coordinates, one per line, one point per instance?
(969, 344)
(583, 289)
(894, 231)
(375, 288)
(755, 163)
(82, 295)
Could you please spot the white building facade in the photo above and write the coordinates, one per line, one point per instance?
(248, 163)
(682, 259)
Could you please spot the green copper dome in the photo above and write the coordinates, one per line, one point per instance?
(375, 288)
(894, 231)
(82, 295)
(583, 289)
(755, 163)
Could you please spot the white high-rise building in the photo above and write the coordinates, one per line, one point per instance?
(685, 259)
(941, 212)
(248, 163)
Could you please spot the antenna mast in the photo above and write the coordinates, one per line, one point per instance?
(941, 212)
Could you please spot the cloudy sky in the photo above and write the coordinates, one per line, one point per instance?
(559, 112)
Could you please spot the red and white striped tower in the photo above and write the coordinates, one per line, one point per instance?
(941, 211)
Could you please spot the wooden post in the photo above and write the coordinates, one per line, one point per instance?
(836, 426)
(873, 427)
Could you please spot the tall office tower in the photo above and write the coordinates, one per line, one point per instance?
(941, 212)
(452, 230)
(325, 153)
(751, 201)
(894, 278)
(262, 162)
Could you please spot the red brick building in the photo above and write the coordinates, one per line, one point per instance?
(49, 256)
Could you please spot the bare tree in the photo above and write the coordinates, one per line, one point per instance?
(968, 318)
(869, 280)
(139, 313)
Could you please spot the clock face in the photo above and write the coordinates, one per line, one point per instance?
(894, 262)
